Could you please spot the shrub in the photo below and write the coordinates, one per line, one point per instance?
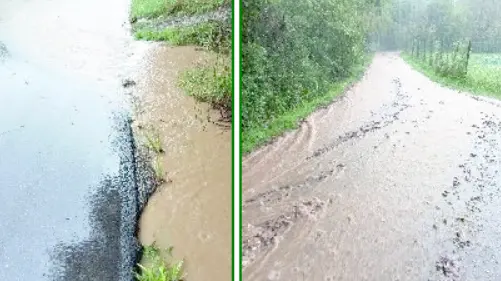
(293, 51)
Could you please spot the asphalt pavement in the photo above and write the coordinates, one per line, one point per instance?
(68, 167)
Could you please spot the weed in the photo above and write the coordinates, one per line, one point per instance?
(153, 142)
(211, 83)
(158, 269)
(159, 170)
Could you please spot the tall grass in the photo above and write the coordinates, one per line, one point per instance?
(483, 76)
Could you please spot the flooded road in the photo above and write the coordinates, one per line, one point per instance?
(67, 173)
(192, 210)
(397, 180)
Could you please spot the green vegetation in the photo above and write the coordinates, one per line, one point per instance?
(455, 43)
(209, 35)
(293, 52)
(259, 135)
(483, 76)
(156, 269)
(158, 169)
(214, 35)
(153, 141)
(156, 8)
(453, 64)
(187, 35)
(210, 83)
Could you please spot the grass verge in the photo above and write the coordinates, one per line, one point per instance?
(150, 9)
(150, 139)
(255, 137)
(483, 78)
(155, 268)
(212, 82)
(203, 34)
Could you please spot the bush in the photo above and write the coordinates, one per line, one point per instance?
(293, 51)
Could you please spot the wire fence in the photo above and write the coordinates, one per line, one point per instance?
(487, 46)
(447, 57)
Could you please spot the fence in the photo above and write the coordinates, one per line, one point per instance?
(448, 58)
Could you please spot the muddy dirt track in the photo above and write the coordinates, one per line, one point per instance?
(397, 180)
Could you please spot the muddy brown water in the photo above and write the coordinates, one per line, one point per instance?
(397, 180)
(192, 211)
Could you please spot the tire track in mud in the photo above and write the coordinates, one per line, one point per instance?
(279, 194)
(389, 113)
(386, 115)
(265, 235)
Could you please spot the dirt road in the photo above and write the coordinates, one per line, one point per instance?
(397, 180)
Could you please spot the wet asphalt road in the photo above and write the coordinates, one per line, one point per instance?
(68, 179)
(397, 180)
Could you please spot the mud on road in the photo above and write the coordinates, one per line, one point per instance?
(397, 180)
(190, 211)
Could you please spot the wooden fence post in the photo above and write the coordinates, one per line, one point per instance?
(468, 56)
(424, 50)
(417, 48)
(430, 61)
